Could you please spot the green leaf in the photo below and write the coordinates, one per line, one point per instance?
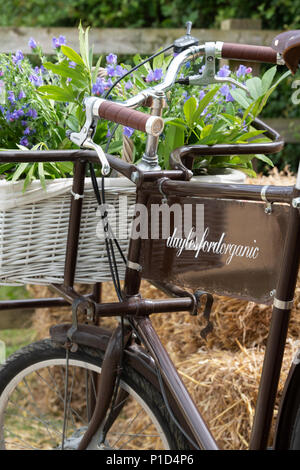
(56, 93)
(21, 168)
(249, 135)
(41, 174)
(267, 78)
(64, 70)
(29, 176)
(174, 137)
(96, 70)
(189, 109)
(241, 97)
(204, 102)
(265, 159)
(175, 122)
(255, 87)
(72, 55)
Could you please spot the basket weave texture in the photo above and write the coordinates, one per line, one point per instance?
(34, 230)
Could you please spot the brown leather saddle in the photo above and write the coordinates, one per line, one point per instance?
(288, 44)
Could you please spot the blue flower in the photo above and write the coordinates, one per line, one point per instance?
(21, 95)
(32, 113)
(119, 71)
(128, 85)
(224, 71)
(110, 71)
(154, 76)
(128, 131)
(98, 87)
(24, 141)
(11, 97)
(158, 73)
(150, 76)
(57, 42)
(32, 44)
(111, 59)
(18, 57)
(241, 71)
(26, 131)
(36, 80)
(72, 64)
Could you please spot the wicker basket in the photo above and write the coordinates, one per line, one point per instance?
(34, 228)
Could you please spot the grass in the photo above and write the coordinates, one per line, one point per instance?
(14, 338)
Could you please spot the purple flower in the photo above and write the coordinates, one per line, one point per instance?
(108, 134)
(150, 77)
(27, 131)
(11, 97)
(36, 80)
(224, 71)
(98, 87)
(32, 44)
(111, 59)
(21, 95)
(57, 42)
(185, 96)
(1, 73)
(72, 64)
(32, 113)
(119, 71)
(225, 91)
(110, 71)
(201, 94)
(154, 76)
(241, 71)
(128, 85)
(17, 113)
(158, 73)
(24, 141)
(18, 57)
(128, 131)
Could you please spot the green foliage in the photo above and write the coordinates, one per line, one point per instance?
(219, 115)
(275, 14)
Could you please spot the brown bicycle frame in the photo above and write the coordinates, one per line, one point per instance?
(136, 309)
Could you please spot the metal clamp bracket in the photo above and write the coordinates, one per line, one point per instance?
(208, 75)
(207, 309)
(268, 209)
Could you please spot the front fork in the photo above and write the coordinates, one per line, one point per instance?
(110, 373)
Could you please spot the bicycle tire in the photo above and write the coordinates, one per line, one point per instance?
(25, 379)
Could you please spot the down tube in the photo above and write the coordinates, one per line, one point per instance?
(194, 420)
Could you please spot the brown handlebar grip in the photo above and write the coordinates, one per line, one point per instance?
(115, 112)
(245, 52)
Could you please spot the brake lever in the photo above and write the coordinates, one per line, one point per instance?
(84, 138)
(208, 76)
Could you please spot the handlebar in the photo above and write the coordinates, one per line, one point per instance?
(152, 125)
(123, 112)
(245, 52)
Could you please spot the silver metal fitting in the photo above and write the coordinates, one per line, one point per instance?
(296, 203)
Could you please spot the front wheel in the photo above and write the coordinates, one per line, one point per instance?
(32, 403)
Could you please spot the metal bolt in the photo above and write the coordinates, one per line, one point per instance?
(272, 293)
(210, 58)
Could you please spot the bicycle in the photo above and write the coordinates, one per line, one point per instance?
(130, 362)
